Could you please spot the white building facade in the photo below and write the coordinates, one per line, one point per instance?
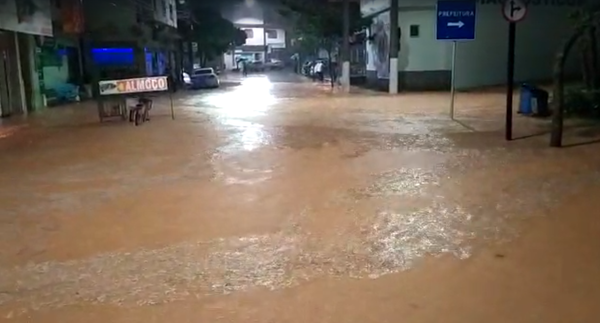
(425, 62)
(165, 11)
(265, 38)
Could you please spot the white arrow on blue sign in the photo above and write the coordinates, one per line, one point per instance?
(456, 20)
(458, 24)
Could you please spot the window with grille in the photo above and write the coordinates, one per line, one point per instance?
(271, 33)
(414, 31)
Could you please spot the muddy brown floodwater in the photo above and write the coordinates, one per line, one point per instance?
(283, 202)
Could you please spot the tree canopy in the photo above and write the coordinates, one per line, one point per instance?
(214, 34)
(321, 21)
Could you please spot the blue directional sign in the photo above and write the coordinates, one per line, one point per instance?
(456, 19)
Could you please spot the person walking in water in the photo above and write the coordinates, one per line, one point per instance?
(244, 68)
(319, 71)
(334, 73)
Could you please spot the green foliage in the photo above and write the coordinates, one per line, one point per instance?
(307, 44)
(580, 102)
(214, 34)
(583, 99)
(318, 22)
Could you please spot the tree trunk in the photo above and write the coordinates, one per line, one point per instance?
(558, 100)
(585, 66)
(190, 60)
(593, 52)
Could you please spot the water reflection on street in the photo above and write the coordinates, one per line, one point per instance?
(278, 200)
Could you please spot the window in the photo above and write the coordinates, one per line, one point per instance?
(172, 12)
(164, 7)
(271, 33)
(249, 33)
(414, 31)
(204, 71)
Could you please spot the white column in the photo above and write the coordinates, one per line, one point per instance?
(346, 47)
(346, 76)
(393, 75)
(394, 47)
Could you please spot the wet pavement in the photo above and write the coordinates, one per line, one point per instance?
(279, 200)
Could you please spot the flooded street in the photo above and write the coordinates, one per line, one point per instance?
(276, 200)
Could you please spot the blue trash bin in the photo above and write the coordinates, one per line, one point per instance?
(533, 101)
(525, 97)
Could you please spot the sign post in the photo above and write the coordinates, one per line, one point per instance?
(513, 11)
(455, 22)
(131, 87)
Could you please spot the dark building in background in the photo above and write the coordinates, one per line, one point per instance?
(127, 38)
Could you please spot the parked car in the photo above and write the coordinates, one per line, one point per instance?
(202, 78)
(274, 64)
(256, 66)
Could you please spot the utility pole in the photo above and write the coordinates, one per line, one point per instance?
(394, 47)
(190, 58)
(510, 80)
(265, 44)
(346, 47)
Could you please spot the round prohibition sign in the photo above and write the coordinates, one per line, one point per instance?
(514, 10)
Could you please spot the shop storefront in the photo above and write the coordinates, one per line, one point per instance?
(7, 66)
(60, 68)
(21, 29)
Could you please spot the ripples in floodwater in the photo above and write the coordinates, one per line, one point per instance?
(452, 212)
(400, 239)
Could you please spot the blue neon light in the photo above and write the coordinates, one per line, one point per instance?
(113, 56)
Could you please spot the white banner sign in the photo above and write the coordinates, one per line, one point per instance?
(135, 85)
(26, 16)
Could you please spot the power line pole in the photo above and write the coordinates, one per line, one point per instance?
(346, 47)
(265, 44)
(264, 30)
(394, 47)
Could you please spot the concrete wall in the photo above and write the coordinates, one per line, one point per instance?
(125, 23)
(20, 76)
(121, 20)
(110, 20)
(425, 63)
(11, 84)
(35, 100)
